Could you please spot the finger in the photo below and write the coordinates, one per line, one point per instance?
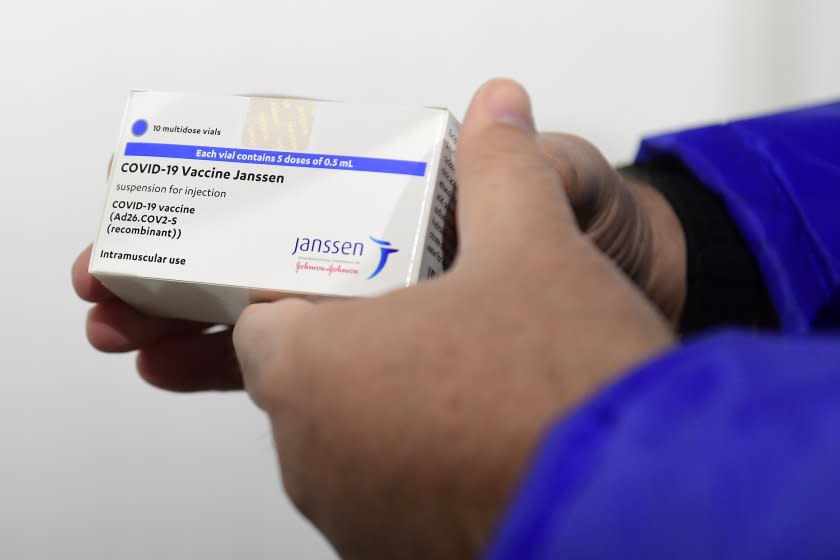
(114, 326)
(199, 362)
(508, 190)
(260, 338)
(87, 287)
(605, 208)
(589, 180)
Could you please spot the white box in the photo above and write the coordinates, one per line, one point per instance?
(217, 201)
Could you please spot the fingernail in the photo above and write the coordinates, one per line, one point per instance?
(508, 103)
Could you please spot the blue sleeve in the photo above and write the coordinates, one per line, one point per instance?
(728, 447)
(779, 176)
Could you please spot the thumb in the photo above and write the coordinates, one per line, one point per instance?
(508, 190)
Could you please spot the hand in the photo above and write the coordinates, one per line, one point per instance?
(173, 354)
(403, 422)
(628, 220)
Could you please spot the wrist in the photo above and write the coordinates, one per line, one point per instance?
(721, 282)
(666, 281)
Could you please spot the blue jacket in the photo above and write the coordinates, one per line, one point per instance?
(729, 445)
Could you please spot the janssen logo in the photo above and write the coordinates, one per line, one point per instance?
(316, 246)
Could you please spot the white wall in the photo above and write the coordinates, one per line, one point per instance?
(95, 464)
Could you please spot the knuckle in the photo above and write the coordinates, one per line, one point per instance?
(247, 327)
(268, 348)
(566, 170)
(262, 390)
(245, 317)
(295, 489)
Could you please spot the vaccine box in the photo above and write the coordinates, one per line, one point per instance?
(215, 202)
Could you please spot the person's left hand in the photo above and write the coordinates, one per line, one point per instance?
(403, 422)
(173, 354)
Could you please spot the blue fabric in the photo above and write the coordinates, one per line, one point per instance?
(728, 446)
(779, 176)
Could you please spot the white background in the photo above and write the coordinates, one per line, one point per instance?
(94, 463)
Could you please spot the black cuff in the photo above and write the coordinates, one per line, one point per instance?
(724, 285)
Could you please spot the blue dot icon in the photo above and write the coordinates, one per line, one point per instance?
(139, 127)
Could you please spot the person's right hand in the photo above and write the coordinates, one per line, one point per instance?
(628, 221)
(403, 422)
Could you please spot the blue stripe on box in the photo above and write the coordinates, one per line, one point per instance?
(268, 157)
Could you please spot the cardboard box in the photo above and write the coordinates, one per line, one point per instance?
(215, 202)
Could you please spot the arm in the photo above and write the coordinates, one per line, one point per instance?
(726, 447)
(403, 423)
(721, 278)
